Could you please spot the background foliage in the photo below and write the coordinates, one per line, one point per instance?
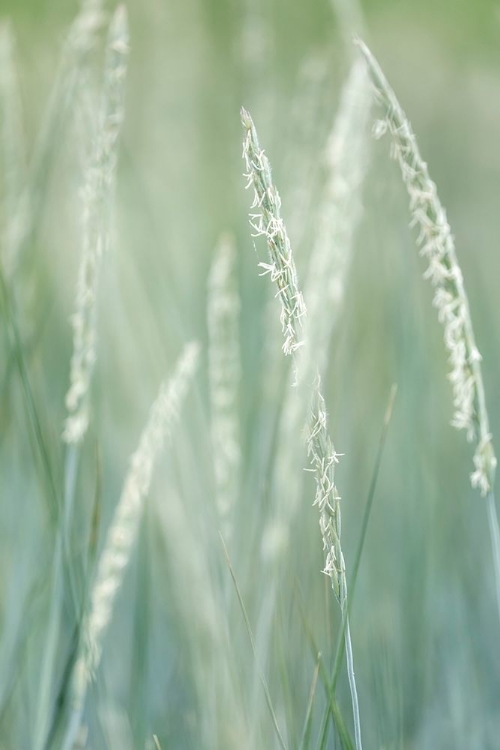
(424, 624)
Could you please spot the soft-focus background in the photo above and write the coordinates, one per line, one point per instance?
(424, 623)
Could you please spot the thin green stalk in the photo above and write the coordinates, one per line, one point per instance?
(37, 440)
(306, 731)
(344, 636)
(12, 145)
(30, 347)
(495, 541)
(144, 595)
(352, 682)
(332, 704)
(62, 564)
(77, 607)
(70, 475)
(77, 48)
(251, 638)
(283, 660)
(50, 650)
(122, 532)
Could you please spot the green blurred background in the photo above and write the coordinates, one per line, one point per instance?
(424, 624)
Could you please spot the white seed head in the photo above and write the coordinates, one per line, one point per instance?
(122, 533)
(266, 221)
(437, 246)
(224, 360)
(322, 454)
(97, 196)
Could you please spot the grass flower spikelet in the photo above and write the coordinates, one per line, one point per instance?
(122, 533)
(437, 246)
(266, 221)
(324, 458)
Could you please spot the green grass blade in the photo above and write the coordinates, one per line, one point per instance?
(261, 675)
(339, 653)
(37, 430)
(333, 707)
(306, 731)
(495, 541)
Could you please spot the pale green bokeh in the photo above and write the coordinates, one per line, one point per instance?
(424, 622)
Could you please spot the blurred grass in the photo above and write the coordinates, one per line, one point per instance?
(424, 627)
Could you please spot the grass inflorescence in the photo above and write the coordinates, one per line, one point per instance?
(183, 598)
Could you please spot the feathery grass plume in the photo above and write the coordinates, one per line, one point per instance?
(122, 532)
(450, 299)
(12, 143)
(323, 457)
(266, 221)
(97, 195)
(224, 360)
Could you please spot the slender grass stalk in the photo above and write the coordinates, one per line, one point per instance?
(332, 704)
(324, 458)
(341, 641)
(306, 731)
(29, 195)
(495, 540)
(436, 244)
(224, 359)
(78, 45)
(37, 430)
(12, 143)
(266, 220)
(122, 532)
(140, 691)
(251, 637)
(13, 169)
(222, 710)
